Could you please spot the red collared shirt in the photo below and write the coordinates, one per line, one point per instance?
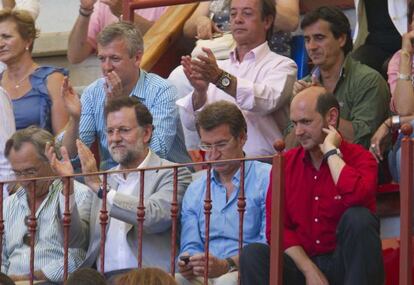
(314, 204)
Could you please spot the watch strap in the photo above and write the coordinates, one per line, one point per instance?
(224, 76)
(331, 152)
(100, 192)
(231, 264)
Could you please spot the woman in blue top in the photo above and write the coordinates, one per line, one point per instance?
(34, 89)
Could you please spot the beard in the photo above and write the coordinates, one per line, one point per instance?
(127, 155)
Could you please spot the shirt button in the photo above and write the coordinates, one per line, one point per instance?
(318, 241)
(315, 177)
(316, 198)
(316, 220)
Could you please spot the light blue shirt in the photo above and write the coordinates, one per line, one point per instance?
(224, 219)
(158, 96)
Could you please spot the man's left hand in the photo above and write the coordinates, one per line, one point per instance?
(206, 67)
(216, 266)
(332, 140)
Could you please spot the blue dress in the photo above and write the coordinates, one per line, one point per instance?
(34, 108)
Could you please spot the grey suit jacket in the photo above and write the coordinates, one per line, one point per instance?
(158, 192)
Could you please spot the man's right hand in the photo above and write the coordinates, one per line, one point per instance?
(185, 269)
(71, 100)
(87, 4)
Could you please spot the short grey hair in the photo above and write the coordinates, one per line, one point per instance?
(38, 137)
(122, 30)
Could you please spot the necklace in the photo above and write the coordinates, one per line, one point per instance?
(18, 84)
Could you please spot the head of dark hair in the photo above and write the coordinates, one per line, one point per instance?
(337, 20)
(24, 22)
(222, 113)
(146, 276)
(5, 280)
(267, 8)
(86, 276)
(325, 102)
(143, 115)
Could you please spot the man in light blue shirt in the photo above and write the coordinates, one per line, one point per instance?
(120, 50)
(222, 129)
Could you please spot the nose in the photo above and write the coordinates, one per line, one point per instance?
(310, 44)
(213, 154)
(115, 136)
(237, 18)
(298, 130)
(107, 66)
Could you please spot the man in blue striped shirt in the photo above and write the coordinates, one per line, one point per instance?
(120, 50)
(25, 151)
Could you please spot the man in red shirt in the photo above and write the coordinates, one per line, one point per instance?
(330, 235)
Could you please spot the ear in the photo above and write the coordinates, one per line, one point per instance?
(138, 58)
(243, 138)
(332, 116)
(268, 21)
(342, 40)
(147, 134)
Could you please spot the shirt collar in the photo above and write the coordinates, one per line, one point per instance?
(236, 178)
(316, 71)
(256, 54)
(138, 90)
(21, 193)
(143, 164)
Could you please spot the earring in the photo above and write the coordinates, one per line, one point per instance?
(27, 48)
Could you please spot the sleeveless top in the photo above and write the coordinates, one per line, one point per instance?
(34, 108)
(220, 14)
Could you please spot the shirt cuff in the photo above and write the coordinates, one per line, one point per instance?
(110, 196)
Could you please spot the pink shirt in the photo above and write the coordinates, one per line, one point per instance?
(393, 69)
(264, 87)
(102, 17)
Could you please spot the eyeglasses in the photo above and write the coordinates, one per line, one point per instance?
(29, 172)
(122, 131)
(217, 146)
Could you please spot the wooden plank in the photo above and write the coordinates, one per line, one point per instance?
(164, 33)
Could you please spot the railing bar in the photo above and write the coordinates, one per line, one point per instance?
(66, 227)
(207, 212)
(124, 171)
(104, 221)
(141, 216)
(174, 215)
(1, 221)
(241, 205)
(32, 228)
(406, 211)
(276, 236)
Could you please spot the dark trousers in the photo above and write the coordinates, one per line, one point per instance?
(374, 57)
(357, 259)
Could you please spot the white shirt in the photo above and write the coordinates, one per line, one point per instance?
(118, 254)
(264, 87)
(7, 128)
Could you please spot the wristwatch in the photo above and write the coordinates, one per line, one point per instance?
(100, 192)
(223, 81)
(231, 264)
(332, 152)
(395, 122)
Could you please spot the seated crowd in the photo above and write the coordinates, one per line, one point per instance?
(337, 123)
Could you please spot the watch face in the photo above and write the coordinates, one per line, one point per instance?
(225, 81)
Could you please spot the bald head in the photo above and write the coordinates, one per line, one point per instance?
(310, 111)
(316, 98)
